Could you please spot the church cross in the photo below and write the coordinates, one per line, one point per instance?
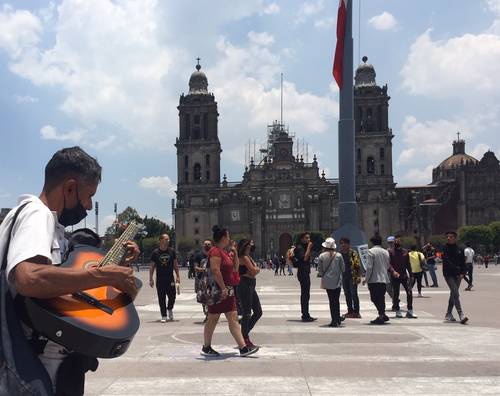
(458, 136)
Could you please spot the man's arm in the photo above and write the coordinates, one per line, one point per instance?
(176, 269)
(35, 278)
(152, 267)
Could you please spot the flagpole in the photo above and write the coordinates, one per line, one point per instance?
(348, 215)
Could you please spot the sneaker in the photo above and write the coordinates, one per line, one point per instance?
(463, 319)
(335, 324)
(349, 315)
(386, 318)
(170, 315)
(250, 344)
(467, 288)
(377, 321)
(163, 319)
(247, 351)
(308, 319)
(420, 295)
(209, 352)
(449, 318)
(410, 315)
(399, 314)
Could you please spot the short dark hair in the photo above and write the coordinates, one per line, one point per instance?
(376, 240)
(451, 232)
(71, 162)
(218, 233)
(467, 244)
(345, 240)
(303, 234)
(162, 235)
(413, 247)
(397, 236)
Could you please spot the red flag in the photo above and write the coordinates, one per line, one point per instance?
(338, 62)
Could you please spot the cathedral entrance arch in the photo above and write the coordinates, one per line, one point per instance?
(285, 243)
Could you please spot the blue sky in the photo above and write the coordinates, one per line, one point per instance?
(107, 75)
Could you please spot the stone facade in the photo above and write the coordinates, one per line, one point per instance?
(282, 195)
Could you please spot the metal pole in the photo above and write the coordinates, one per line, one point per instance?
(348, 217)
(281, 119)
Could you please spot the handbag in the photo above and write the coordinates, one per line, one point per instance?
(322, 282)
(21, 371)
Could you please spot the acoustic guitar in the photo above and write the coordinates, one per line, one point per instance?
(98, 322)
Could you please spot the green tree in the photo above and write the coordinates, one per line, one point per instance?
(480, 237)
(184, 246)
(123, 218)
(154, 227)
(495, 235)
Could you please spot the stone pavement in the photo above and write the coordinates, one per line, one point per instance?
(421, 356)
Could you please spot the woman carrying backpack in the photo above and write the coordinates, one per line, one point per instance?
(222, 266)
(247, 295)
(330, 269)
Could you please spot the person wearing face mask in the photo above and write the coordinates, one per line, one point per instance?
(249, 299)
(37, 245)
(200, 267)
(401, 275)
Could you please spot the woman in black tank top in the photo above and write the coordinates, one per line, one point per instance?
(249, 299)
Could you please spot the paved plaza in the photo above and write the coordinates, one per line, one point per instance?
(421, 356)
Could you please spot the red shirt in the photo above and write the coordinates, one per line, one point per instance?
(226, 265)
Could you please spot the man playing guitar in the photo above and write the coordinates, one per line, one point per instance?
(37, 245)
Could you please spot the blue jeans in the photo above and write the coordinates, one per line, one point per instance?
(432, 271)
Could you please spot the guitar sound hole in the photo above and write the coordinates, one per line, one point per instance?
(91, 263)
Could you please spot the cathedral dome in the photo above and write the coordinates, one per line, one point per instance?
(459, 157)
(365, 75)
(198, 82)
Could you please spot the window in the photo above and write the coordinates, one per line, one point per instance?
(187, 124)
(359, 169)
(186, 161)
(358, 154)
(369, 112)
(382, 169)
(208, 175)
(196, 242)
(196, 133)
(196, 231)
(205, 126)
(196, 219)
(207, 159)
(186, 177)
(382, 153)
(370, 165)
(197, 119)
(197, 172)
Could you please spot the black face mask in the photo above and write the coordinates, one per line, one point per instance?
(74, 215)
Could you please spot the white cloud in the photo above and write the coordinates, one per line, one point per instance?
(48, 132)
(263, 39)
(325, 23)
(468, 63)
(418, 176)
(161, 184)
(19, 31)
(270, 9)
(20, 99)
(309, 8)
(384, 21)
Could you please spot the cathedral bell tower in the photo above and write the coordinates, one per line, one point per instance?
(374, 178)
(198, 159)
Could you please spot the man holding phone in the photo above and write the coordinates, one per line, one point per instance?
(302, 259)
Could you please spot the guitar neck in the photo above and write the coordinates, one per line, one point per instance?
(118, 251)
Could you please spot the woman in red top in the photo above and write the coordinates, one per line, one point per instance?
(222, 267)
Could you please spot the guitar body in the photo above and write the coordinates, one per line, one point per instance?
(104, 329)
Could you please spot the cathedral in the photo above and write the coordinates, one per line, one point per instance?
(282, 194)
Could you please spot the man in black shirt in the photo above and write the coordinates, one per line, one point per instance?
(302, 259)
(164, 261)
(454, 269)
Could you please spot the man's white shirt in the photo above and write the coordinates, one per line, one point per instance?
(36, 232)
(469, 255)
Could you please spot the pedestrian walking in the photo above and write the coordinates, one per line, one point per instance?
(222, 266)
(330, 269)
(302, 260)
(417, 261)
(351, 278)
(164, 262)
(377, 277)
(390, 245)
(276, 265)
(401, 275)
(469, 264)
(282, 265)
(430, 257)
(454, 270)
(247, 294)
(289, 260)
